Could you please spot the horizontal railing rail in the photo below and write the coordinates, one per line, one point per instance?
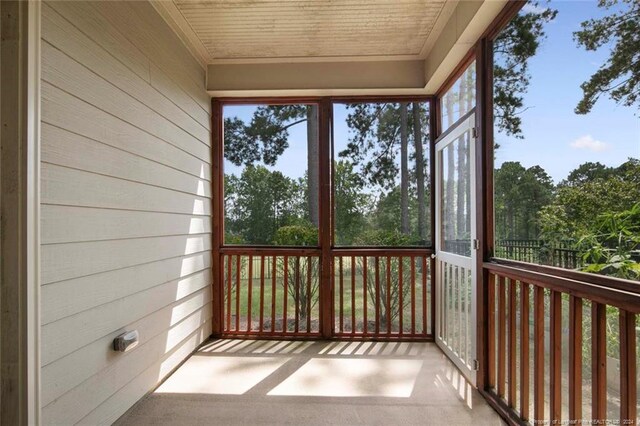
(606, 281)
(623, 294)
(561, 349)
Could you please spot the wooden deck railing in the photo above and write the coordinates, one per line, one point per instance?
(561, 349)
(383, 294)
(377, 293)
(271, 292)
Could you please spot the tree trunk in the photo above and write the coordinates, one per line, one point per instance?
(461, 192)
(404, 170)
(417, 138)
(449, 232)
(313, 171)
(470, 104)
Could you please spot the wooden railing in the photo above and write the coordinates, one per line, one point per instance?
(271, 293)
(383, 294)
(376, 293)
(561, 347)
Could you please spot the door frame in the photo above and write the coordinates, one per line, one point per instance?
(466, 123)
(20, 207)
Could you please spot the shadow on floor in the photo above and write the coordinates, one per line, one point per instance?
(236, 382)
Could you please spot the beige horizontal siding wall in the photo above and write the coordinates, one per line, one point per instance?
(126, 203)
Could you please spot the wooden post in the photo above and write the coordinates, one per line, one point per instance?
(217, 209)
(326, 291)
(434, 128)
(484, 195)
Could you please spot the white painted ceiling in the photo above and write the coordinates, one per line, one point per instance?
(234, 31)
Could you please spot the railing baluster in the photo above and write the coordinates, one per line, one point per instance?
(432, 287)
(285, 296)
(238, 273)
(575, 359)
(249, 285)
(377, 263)
(458, 312)
(353, 294)
(261, 293)
(446, 301)
(555, 345)
(501, 335)
(524, 350)
(450, 316)
(340, 269)
(388, 295)
(491, 332)
(296, 326)
(512, 343)
(273, 294)
(364, 293)
(413, 295)
(425, 328)
(599, 362)
(229, 279)
(309, 270)
(400, 298)
(466, 302)
(628, 368)
(538, 356)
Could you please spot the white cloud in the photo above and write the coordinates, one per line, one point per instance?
(532, 8)
(588, 142)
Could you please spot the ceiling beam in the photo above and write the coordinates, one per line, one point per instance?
(317, 79)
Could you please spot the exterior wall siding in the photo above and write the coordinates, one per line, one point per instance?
(126, 199)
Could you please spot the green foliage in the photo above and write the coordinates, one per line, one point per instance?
(262, 202)
(619, 76)
(296, 235)
(352, 203)
(519, 195)
(383, 238)
(579, 200)
(389, 285)
(587, 172)
(597, 208)
(515, 45)
(303, 278)
(375, 142)
(609, 247)
(380, 134)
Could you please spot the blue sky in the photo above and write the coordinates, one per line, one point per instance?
(554, 136)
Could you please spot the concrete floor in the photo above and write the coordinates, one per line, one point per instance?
(243, 382)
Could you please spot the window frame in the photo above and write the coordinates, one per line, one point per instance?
(330, 101)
